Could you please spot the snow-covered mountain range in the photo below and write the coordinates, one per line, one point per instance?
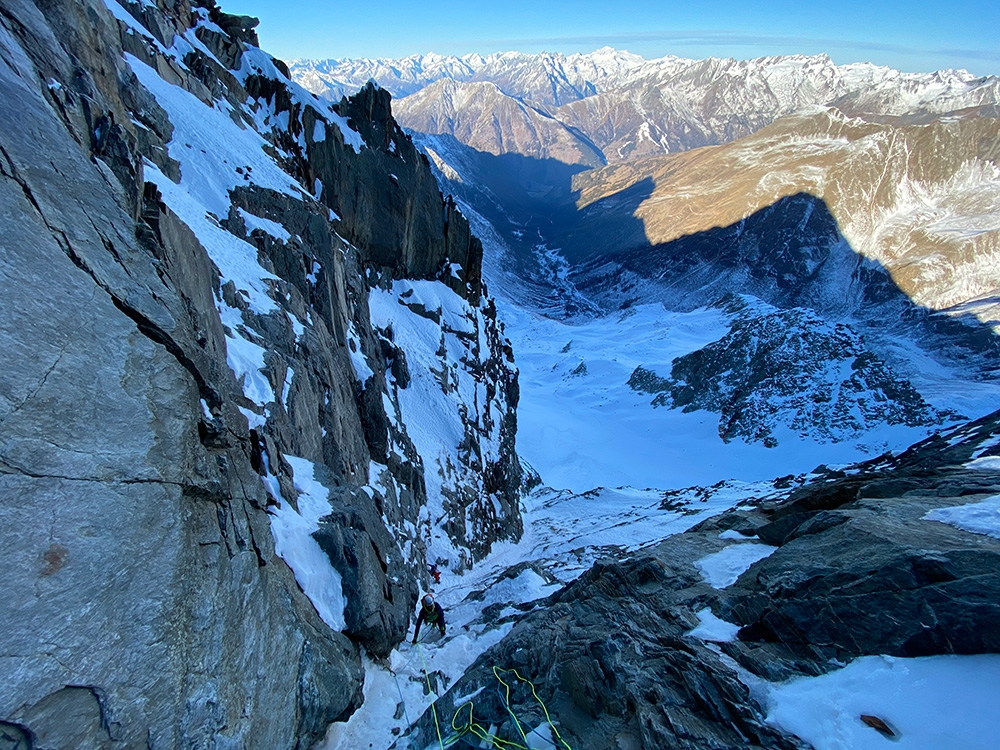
(629, 107)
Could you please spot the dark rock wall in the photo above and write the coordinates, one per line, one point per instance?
(144, 603)
(394, 210)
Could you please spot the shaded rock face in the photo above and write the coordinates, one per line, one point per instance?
(857, 570)
(789, 254)
(142, 561)
(860, 570)
(388, 201)
(609, 660)
(789, 368)
(362, 550)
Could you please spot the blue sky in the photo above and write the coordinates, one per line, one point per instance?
(912, 36)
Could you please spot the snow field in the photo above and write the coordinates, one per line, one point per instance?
(570, 531)
(723, 568)
(581, 426)
(293, 541)
(979, 518)
(712, 628)
(931, 703)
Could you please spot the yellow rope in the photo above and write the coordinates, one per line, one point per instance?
(545, 710)
(477, 730)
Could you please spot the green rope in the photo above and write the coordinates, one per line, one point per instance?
(534, 693)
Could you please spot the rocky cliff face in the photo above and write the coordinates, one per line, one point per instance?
(789, 369)
(193, 249)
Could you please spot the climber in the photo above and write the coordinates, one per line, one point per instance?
(431, 612)
(435, 573)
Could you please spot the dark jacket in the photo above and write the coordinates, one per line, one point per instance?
(434, 617)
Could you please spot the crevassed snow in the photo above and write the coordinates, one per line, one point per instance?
(714, 628)
(293, 541)
(932, 702)
(979, 518)
(721, 569)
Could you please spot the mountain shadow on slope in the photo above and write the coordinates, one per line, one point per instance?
(816, 328)
(790, 254)
(517, 201)
(821, 354)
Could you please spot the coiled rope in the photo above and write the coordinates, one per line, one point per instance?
(477, 730)
(471, 726)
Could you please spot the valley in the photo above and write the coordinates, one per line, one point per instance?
(709, 312)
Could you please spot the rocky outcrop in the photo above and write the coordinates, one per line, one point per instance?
(862, 569)
(379, 601)
(388, 201)
(791, 369)
(856, 566)
(185, 316)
